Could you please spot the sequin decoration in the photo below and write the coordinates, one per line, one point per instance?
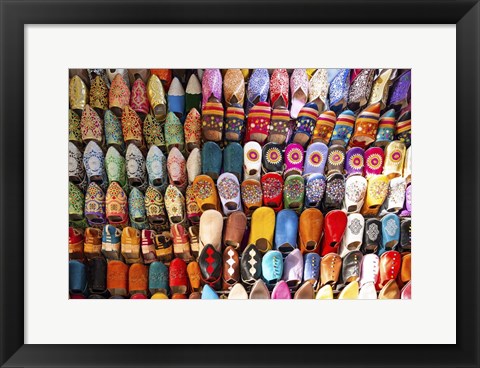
(251, 194)
(272, 187)
(203, 189)
(355, 226)
(228, 188)
(373, 232)
(336, 190)
(391, 227)
(315, 189)
(378, 190)
(355, 191)
(293, 188)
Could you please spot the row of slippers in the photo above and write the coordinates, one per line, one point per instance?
(328, 275)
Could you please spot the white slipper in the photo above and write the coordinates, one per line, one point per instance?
(353, 235)
(368, 291)
(252, 160)
(355, 191)
(238, 292)
(211, 226)
(194, 165)
(396, 196)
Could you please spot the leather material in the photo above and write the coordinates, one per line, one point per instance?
(305, 291)
(366, 127)
(315, 185)
(117, 278)
(390, 291)
(158, 278)
(206, 193)
(355, 192)
(293, 268)
(238, 292)
(311, 268)
(315, 158)
(252, 162)
(272, 158)
(367, 291)
(235, 229)
(396, 196)
(351, 266)
(212, 120)
(231, 268)
(138, 279)
(136, 209)
(372, 239)
(294, 156)
(234, 123)
(209, 293)
(310, 230)
(97, 275)
(354, 161)
(324, 127)
(377, 190)
(272, 189)
(294, 193)
(325, 293)
(406, 269)
(353, 237)
(193, 129)
(93, 243)
(334, 192)
(159, 296)
(194, 165)
(77, 278)
(373, 161)
(370, 269)
(211, 160)
(262, 229)
(138, 296)
(164, 246)
(194, 275)
(336, 160)
(210, 262)
(405, 235)
(178, 278)
(251, 265)
(406, 292)
(286, 235)
(390, 233)
(330, 269)
(394, 159)
(279, 126)
(195, 295)
(258, 121)
(181, 242)
(229, 192)
(211, 225)
(194, 236)
(350, 291)
(75, 244)
(389, 265)
(335, 226)
(233, 159)
(177, 170)
(148, 246)
(131, 245)
(259, 290)
(251, 191)
(281, 291)
(272, 267)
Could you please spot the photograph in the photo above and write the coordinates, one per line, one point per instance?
(239, 183)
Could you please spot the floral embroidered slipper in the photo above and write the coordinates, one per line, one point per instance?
(153, 133)
(355, 191)
(314, 190)
(95, 206)
(396, 196)
(113, 131)
(394, 159)
(176, 168)
(257, 89)
(193, 94)
(299, 88)
(251, 192)
(176, 99)
(343, 128)
(324, 127)
(380, 88)
(315, 159)
(338, 91)
(78, 94)
(229, 192)
(116, 206)
(318, 89)
(252, 163)
(156, 97)
(136, 209)
(211, 160)
(360, 88)
(94, 163)
(112, 73)
(174, 132)
(157, 168)
(294, 155)
(272, 189)
(234, 87)
(74, 129)
(366, 127)
(279, 88)
(212, 120)
(400, 91)
(336, 159)
(234, 123)
(76, 203)
(132, 127)
(193, 130)
(116, 168)
(76, 170)
(272, 158)
(279, 125)
(354, 161)
(99, 95)
(136, 168)
(374, 158)
(194, 165)
(175, 206)
(211, 86)
(119, 95)
(233, 159)
(193, 211)
(293, 193)
(139, 99)
(306, 121)
(352, 241)
(165, 76)
(377, 191)
(155, 207)
(91, 126)
(258, 123)
(205, 193)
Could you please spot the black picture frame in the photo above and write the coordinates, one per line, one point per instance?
(16, 14)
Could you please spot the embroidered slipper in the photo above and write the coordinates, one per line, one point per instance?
(377, 190)
(286, 235)
(211, 86)
(405, 236)
(279, 89)
(113, 131)
(99, 95)
(94, 163)
(310, 230)
(181, 242)
(272, 267)
(314, 190)
(234, 123)
(294, 155)
(352, 241)
(164, 246)
(335, 226)
(156, 97)
(157, 168)
(165, 76)
(251, 191)
(389, 266)
(158, 278)
(78, 94)
(360, 87)
(299, 88)
(153, 132)
(272, 188)
(355, 191)
(148, 245)
(252, 163)
(318, 89)
(117, 278)
(354, 162)
(294, 192)
(338, 91)
(259, 290)
(324, 127)
(343, 128)
(258, 123)
(279, 125)
(77, 279)
(251, 265)
(175, 205)
(262, 229)
(281, 291)
(136, 209)
(178, 277)
(404, 129)
(380, 88)
(155, 207)
(334, 192)
(130, 245)
(76, 203)
(235, 229)
(119, 95)
(366, 127)
(76, 170)
(315, 159)
(193, 94)
(91, 126)
(176, 99)
(193, 211)
(369, 269)
(231, 271)
(374, 158)
(311, 268)
(75, 244)
(234, 87)
(177, 171)
(193, 130)
(138, 280)
(132, 127)
(210, 233)
(112, 73)
(305, 291)
(257, 89)
(211, 160)
(396, 196)
(272, 158)
(386, 129)
(233, 159)
(394, 158)
(351, 291)
(205, 193)
(372, 238)
(95, 206)
(212, 120)
(407, 207)
(194, 165)
(116, 206)
(174, 132)
(116, 168)
(390, 233)
(111, 243)
(400, 91)
(139, 99)
(229, 192)
(336, 159)
(330, 269)
(74, 129)
(306, 122)
(407, 167)
(136, 168)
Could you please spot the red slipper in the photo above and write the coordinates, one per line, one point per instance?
(335, 224)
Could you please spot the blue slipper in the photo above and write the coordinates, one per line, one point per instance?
(390, 233)
(286, 235)
(211, 160)
(233, 159)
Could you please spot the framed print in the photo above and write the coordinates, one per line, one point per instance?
(262, 171)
